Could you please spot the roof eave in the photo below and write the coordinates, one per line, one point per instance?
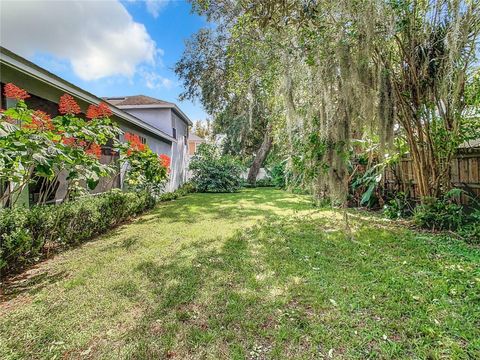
(23, 65)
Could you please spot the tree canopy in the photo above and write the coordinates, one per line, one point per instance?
(319, 74)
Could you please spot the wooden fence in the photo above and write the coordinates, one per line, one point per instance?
(464, 174)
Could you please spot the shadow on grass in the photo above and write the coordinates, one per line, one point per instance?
(30, 283)
(289, 289)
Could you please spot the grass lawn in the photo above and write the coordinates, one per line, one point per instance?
(261, 274)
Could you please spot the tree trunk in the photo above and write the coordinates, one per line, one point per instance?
(261, 155)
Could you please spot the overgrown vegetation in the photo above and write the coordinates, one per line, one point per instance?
(202, 278)
(447, 214)
(313, 80)
(213, 172)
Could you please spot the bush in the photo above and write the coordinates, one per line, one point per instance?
(25, 232)
(265, 182)
(277, 174)
(445, 214)
(470, 231)
(213, 172)
(439, 214)
(398, 207)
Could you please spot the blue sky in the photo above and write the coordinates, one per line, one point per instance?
(110, 48)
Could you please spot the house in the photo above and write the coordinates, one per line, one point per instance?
(166, 117)
(193, 141)
(164, 129)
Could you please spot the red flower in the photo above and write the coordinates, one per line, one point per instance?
(164, 160)
(68, 105)
(100, 111)
(41, 120)
(12, 91)
(95, 150)
(72, 141)
(69, 141)
(135, 143)
(92, 112)
(104, 110)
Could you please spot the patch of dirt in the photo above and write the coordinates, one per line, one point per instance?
(19, 290)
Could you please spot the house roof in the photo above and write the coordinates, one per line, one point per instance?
(14, 61)
(135, 100)
(195, 137)
(470, 144)
(145, 102)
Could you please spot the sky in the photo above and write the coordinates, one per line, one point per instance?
(107, 47)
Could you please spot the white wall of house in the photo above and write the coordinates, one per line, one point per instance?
(167, 120)
(158, 146)
(179, 153)
(159, 118)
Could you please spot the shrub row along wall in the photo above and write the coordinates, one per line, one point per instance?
(25, 233)
(464, 174)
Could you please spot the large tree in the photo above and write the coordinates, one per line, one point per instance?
(234, 81)
(351, 65)
(321, 73)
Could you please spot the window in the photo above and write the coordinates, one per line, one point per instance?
(174, 132)
(142, 139)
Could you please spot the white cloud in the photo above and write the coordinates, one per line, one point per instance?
(155, 81)
(98, 38)
(155, 6)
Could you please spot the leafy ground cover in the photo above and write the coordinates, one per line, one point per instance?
(260, 274)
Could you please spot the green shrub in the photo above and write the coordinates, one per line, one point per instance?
(24, 232)
(470, 231)
(277, 174)
(439, 214)
(398, 207)
(266, 182)
(213, 172)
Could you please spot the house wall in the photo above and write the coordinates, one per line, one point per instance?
(159, 118)
(166, 120)
(179, 153)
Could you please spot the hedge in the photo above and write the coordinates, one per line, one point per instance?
(25, 232)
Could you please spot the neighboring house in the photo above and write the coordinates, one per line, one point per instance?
(166, 117)
(193, 141)
(470, 145)
(46, 88)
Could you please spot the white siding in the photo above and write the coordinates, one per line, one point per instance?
(179, 153)
(157, 146)
(159, 118)
(166, 120)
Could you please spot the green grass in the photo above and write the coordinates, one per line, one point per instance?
(261, 274)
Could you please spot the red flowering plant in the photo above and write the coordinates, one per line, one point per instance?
(36, 147)
(145, 169)
(82, 139)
